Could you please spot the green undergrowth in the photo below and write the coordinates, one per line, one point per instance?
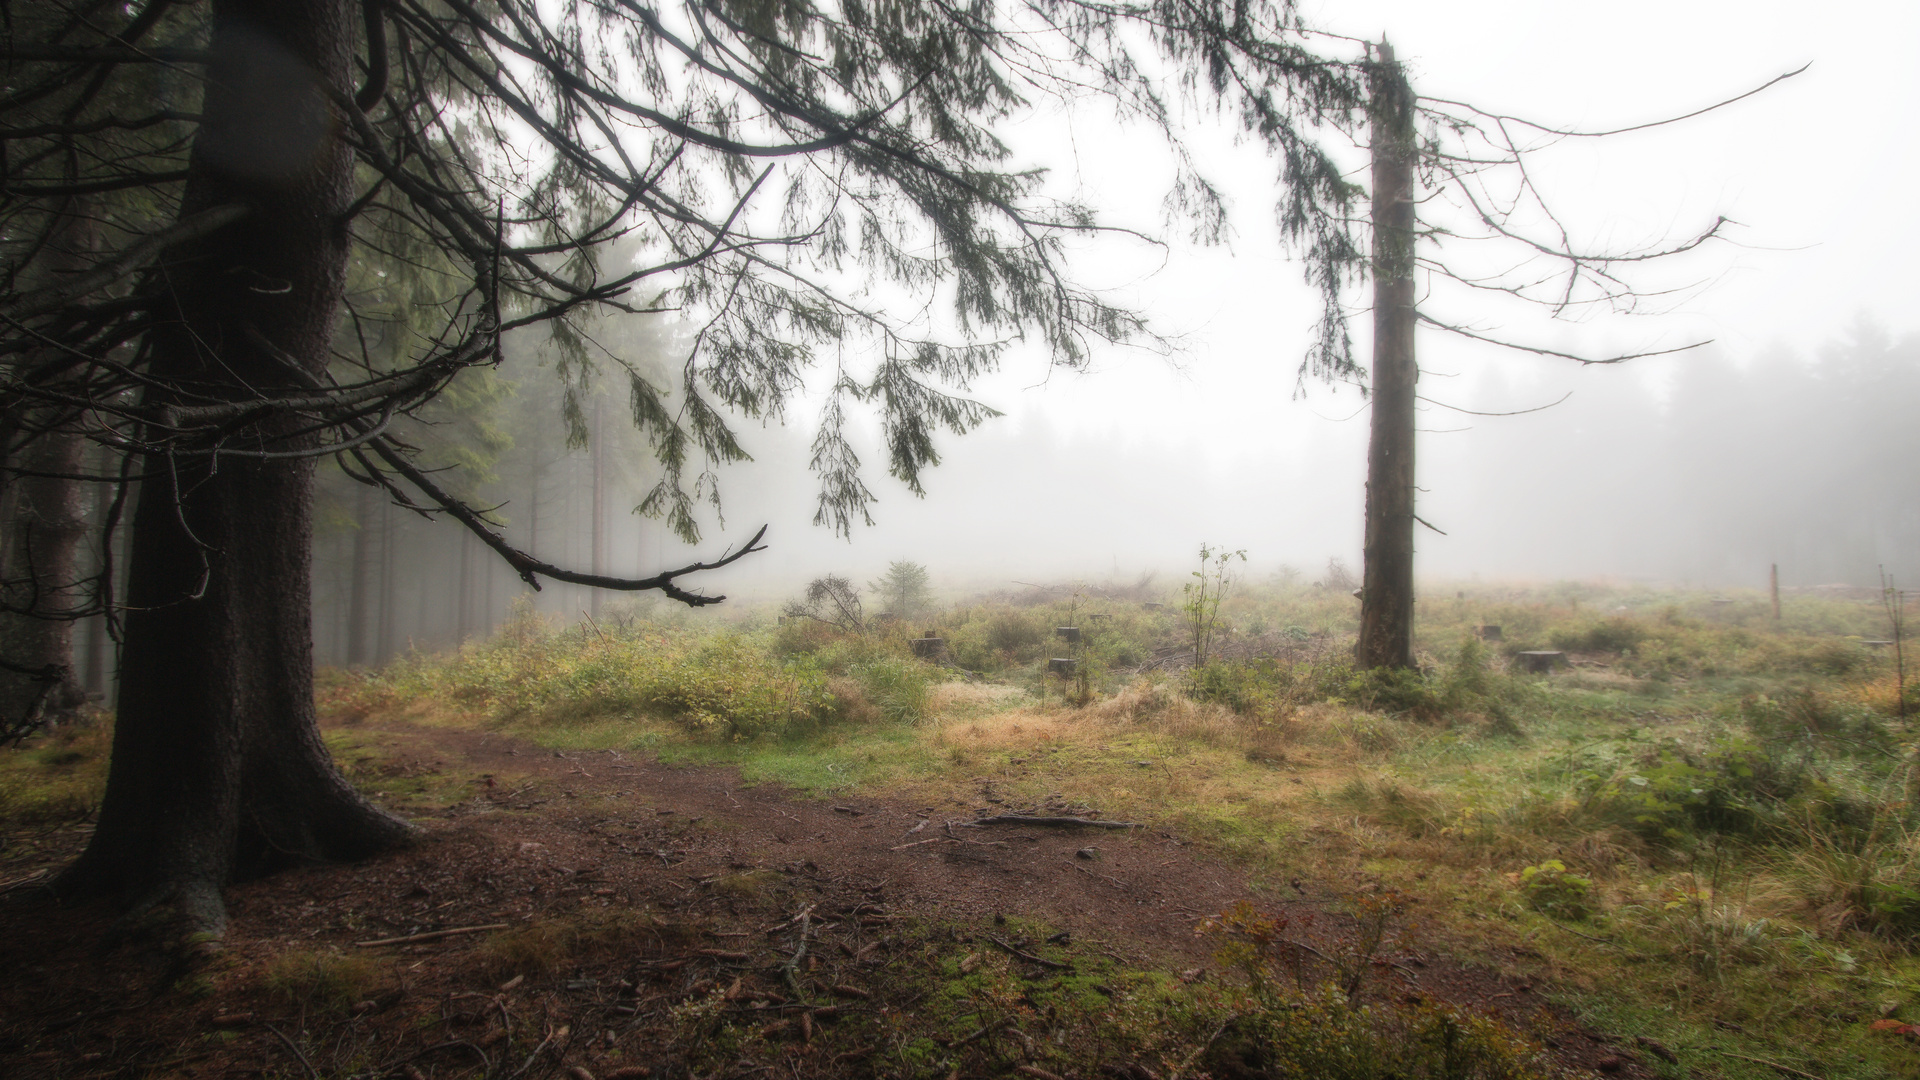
(55, 777)
(1018, 997)
(727, 686)
(394, 771)
(1700, 807)
(833, 993)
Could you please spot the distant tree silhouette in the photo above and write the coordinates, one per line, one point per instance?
(904, 588)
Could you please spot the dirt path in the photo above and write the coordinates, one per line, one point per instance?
(652, 831)
(547, 837)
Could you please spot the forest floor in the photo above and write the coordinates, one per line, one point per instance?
(603, 915)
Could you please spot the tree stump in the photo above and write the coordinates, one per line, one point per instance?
(929, 647)
(1061, 665)
(1069, 634)
(1540, 662)
(1490, 633)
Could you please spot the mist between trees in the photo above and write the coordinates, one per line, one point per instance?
(1705, 469)
(1700, 470)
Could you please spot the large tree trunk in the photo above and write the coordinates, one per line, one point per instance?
(218, 768)
(1386, 597)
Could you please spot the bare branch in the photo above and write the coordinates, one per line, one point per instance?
(55, 297)
(1515, 412)
(1540, 351)
(1573, 134)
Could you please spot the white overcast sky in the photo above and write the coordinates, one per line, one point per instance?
(1134, 465)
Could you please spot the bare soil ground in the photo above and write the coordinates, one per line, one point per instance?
(666, 884)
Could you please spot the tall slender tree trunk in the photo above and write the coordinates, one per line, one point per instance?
(464, 593)
(489, 615)
(218, 769)
(360, 583)
(95, 679)
(1386, 597)
(598, 453)
(384, 650)
(42, 577)
(44, 526)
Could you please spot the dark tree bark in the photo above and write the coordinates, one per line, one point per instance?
(218, 768)
(1386, 597)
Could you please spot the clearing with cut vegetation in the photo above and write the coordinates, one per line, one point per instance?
(666, 852)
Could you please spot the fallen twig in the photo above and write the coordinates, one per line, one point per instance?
(297, 1052)
(1578, 934)
(1029, 957)
(964, 840)
(986, 1030)
(433, 935)
(1023, 819)
(1203, 1047)
(1102, 877)
(792, 969)
(1774, 1065)
(21, 883)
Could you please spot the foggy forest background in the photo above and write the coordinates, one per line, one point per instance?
(1700, 470)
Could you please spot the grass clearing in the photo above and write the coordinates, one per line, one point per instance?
(1702, 808)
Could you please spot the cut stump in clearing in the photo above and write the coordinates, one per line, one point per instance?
(1540, 662)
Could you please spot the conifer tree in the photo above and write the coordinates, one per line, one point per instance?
(779, 169)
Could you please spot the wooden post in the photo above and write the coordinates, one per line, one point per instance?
(1776, 592)
(1386, 597)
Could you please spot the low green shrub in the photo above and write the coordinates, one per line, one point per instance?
(994, 637)
(1673, 792)
(1552, 889)
(1250, 688)
(323, 980)
(1278, 1024)
(725, 685)
(730, 687)
(1872, 886)
(900, 688)
(1615, 635)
